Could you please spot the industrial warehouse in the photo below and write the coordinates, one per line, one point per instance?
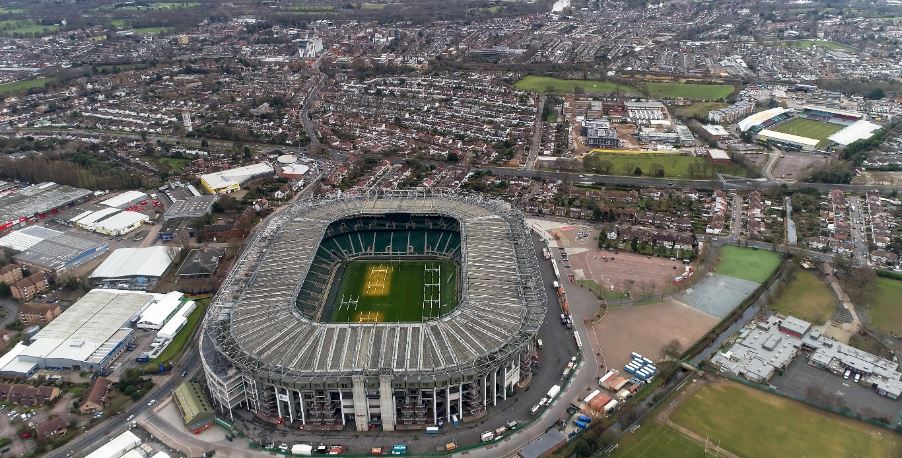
(231, 180)
(96, 329)
(133, 268)
(21, 206)
(766, 348)
(267, 346)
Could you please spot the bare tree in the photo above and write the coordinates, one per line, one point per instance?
(671, 350)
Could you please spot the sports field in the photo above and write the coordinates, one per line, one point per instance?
(22, 86)
(543, 83)
(694, 91)
(747, 263)
(673, 165)
(808, 128)
(654, 440)
(395, 291)
(807, 297)
(885, 308)
(749, 422)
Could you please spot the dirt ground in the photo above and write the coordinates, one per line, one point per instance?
(756, 159)
(878, 177)
(645, 329)
(627, 272)
(794, 166)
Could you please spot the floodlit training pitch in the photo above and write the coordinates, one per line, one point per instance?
(809, 129)
(395, 291)
(747, 263)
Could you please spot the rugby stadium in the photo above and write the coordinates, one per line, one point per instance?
(389, 310)
(808, 128)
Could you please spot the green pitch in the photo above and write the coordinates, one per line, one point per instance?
(747, 263)
(753, 423)
(395, 291)
(808, 128)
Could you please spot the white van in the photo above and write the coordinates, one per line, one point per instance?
(539, 343)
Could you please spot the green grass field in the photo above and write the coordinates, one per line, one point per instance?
(654, 440)
(698, 109)
(752, 423)
(808, 128)
(675, 165)
(807, 297)
(746, 263)
(886, 307)
(694, 91)
(23, 86)
(393, 291)
(542, 83)
(805, 44)
(150, 30)
(28, 27)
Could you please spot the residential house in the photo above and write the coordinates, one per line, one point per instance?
(96, 397)
(51, 428)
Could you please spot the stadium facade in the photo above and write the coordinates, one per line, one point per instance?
(266, 348)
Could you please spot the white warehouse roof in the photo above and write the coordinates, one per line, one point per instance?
(174, 325)
(86, 326)
(156, 314)
(24, 239)
(125, 198)
(238, 175)
(119, 222)
(135, 262)
(117, 446)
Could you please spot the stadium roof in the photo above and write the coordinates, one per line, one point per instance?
(136, 262)
(859, 130)
(86, 325)
(782, 136)
(754, 119)
(125, 198)
(853, 114)
(253, 320)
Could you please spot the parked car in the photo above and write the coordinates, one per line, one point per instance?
(857, 377)
(847, 374)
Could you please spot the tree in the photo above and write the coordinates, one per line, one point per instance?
(657, 170)
(876, 94)
(4, 290)
(672, 350)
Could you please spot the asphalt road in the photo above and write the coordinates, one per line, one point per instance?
(681, 183)
(96, 436)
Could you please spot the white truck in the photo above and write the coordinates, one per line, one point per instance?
(552, 392)
(302, 449)
(487, 436)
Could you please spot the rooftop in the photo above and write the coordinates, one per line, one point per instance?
(136, 262)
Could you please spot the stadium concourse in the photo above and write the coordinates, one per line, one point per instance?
(269, 345)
